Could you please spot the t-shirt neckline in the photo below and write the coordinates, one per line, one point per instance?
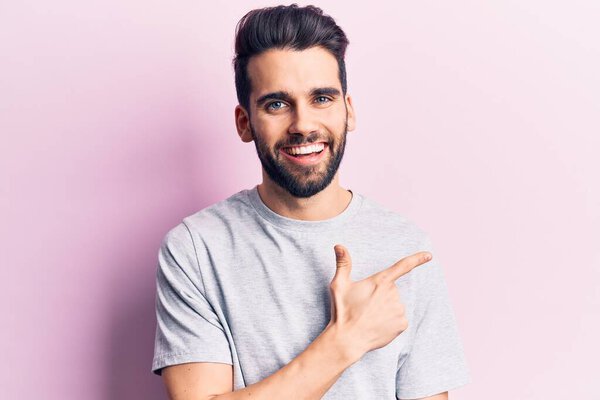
(300, 225)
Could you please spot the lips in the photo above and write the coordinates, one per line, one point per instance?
(304, 145)
(303, 151)
(313, 158)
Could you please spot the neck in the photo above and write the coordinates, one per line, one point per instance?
(326, 204)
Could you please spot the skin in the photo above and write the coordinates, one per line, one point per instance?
(309, 193)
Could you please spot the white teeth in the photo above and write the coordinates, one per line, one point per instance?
(305, 149)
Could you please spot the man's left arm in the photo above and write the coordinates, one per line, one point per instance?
(441, 396)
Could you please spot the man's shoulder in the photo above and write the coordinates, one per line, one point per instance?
(214, 218)
(384, 219)
(228, 208)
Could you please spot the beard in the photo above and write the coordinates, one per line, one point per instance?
(302, 180)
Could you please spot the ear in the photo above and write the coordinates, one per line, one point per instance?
(351, 115)
(242, 124)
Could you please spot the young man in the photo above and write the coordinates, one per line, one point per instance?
(252, 300)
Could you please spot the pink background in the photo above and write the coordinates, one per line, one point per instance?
(478, 121)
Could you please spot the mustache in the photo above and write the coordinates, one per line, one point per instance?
(300, 142)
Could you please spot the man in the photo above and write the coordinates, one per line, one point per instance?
(249, 303)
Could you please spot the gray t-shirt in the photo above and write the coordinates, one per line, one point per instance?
(240, 284)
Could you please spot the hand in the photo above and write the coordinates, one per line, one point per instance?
(368, 313)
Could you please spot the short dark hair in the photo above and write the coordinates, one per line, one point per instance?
(284, 27)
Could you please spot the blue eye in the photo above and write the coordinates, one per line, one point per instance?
(323, 97)
(269, 106)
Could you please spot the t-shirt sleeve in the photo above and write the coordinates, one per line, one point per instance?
(436, 362)
(187, 329)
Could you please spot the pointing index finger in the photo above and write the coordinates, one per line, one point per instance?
(405, 265)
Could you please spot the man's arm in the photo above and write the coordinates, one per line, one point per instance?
(441, 396)
(308, 376)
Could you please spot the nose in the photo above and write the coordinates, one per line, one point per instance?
(304, 121)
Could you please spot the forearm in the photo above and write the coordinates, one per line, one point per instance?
(308, 376)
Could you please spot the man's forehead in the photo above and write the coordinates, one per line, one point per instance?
(295, 72)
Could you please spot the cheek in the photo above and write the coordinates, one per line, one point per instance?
(273, 126)
(271, 130)
(336, 128)
(269, 124)
(335, 117)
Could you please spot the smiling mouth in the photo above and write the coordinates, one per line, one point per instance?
(302, 151)
(305, 155)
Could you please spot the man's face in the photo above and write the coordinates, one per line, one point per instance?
(297, 100)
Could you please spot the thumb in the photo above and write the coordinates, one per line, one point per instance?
(343, 263)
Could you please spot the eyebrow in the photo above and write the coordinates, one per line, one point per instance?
(286, 96)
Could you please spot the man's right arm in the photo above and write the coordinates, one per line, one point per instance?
(308, 376)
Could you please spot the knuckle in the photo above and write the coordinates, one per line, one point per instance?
(417, 257)
(404, 324)
(391, 287)
(379, 279)
(401, 308)
(405, 265)
(416, 260)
